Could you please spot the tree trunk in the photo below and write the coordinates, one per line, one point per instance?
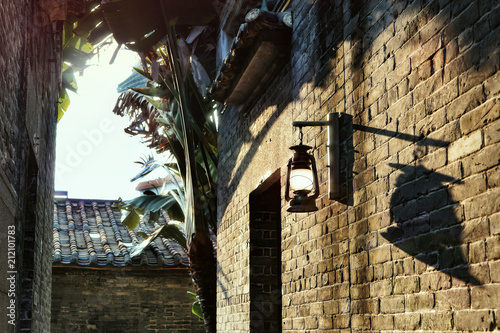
(204, 275)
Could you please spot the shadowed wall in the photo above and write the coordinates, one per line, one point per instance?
(414, 244)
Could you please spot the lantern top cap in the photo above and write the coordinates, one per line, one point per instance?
(300, 148)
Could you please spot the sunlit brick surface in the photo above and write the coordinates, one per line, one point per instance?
(414, 244)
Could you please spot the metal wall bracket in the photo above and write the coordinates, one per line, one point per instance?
(332, 123)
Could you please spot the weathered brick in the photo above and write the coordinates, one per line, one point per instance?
(482, 205)
(465, 146)
(434, 281)
(383, 322)
(435, 24)
(437, 321)
(478, 74)
(432, 122)
(464, 103)
(477, 252)
(439, 60)
(360, 291)
(341, 321)
(331, 307)
(481, 161)
(399, 73)
(453, 299)
(492, 85)
(410, 45)
(465, 40)
(392, 304)
(325, 322)
(419, 302)
(494, 224)
(474, 320)
(365, 306)
(461, 22)
(407, 321)
(444, 135)
(377, 187)
(360, 260)
(492, 133)
(426, 50)
(475, 229)
(310, 323)
(406, 285)
(493, 247)
(495, 271)
(442, 96)
(377, 155)
(396, 145)
(380, 255)
(461, 64)
(485, 297)
(380, 288)
(468, 187)
(298, 323)
(480, 116)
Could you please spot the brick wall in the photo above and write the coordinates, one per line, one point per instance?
(119, 300)
(414, 243)
(29, 85)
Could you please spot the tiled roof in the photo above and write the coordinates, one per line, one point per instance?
(90, 233)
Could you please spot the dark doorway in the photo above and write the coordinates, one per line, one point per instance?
(265, 257)
(27, 240)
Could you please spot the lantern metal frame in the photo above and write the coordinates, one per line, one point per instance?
(302, 201)
(332, 123)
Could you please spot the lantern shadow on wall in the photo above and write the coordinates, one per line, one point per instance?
(428, 221)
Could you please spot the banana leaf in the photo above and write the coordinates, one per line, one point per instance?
(143, 73)
(76, 57)
(172, 231)
(68, 78)
(154, 203)
(62, 103)
(88, 22)
(100, 33)
(137, 249)
(131, 220)
(196, 308)
(153, 92)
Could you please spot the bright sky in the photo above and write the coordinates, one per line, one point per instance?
(94, 156)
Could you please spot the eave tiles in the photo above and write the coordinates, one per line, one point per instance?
(90, 233)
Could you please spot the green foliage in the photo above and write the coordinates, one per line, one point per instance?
(172, 201)
(152, 204)
(76, 52)
(137, 249)
(132, 219)
(163, 102)
(196, 308)
(171, 231)
(174, 232)
(174, 115)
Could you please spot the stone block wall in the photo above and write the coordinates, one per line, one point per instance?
(117, 300)
(29, 85)
(414, 243)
